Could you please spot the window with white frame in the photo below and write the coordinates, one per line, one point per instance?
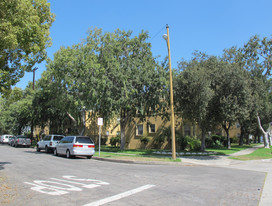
(140, 129)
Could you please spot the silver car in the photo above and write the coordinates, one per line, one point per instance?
(75, 146)
(21, 140)
(48, 143)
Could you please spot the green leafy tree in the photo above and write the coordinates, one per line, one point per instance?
(137, 81)
(256, 56)
(214, 91)
(24, 34)
(231, 94)
(109, 74)
(193, 91)
(16, 114)
(6, 118)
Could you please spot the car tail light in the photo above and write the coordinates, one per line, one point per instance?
(77, 145)
(18, 140)
(91, 146)
(50, 143)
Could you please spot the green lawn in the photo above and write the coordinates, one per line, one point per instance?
(234, 148)
(148, 155)
(129, 154)
(261, 153)
(135, 156)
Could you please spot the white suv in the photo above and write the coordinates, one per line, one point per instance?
(4, 139)
(48, 143)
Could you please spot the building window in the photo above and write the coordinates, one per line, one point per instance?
(140, 129)
(187, 130)
(152, 128)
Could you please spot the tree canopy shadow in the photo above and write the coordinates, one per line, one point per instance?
(2, 164)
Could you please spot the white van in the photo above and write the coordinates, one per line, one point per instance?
(75, 146)
(5, 138)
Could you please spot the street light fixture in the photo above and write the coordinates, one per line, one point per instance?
(166, 37)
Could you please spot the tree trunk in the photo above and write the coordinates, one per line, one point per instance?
(247, 139)
(203, 145)
(123, 122)
(228, 139)
(226, 128)
(123, 136)
(84, 123)
(264, 133)
(269, 139)
(241, 140)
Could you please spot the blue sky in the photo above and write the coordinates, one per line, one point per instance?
(204, 25)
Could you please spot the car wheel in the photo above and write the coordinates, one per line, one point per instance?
(89, 157)
(46, 149)
(55, 152)
(68, 155)
(38, 149)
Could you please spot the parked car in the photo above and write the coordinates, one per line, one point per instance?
(48, 143)
(21, 140)
(11, 140)
(75, 146)
(4, 139)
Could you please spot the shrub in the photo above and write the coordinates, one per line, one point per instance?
(104, 140)
(189, 143)
(234, 140)
(219, 140)
(159, 139)
(209, 143)
(115, 141)
(144, 139)
(216, 141)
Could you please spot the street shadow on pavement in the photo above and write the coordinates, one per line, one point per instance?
(40, 153)
(2, 165)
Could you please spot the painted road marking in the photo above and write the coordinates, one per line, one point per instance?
(46, 190)
(89, 186)
(119, 196)
(63, 186)
(98, 182)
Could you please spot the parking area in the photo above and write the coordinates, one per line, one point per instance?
(44, 179)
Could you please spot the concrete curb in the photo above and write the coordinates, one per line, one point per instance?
(138, 161)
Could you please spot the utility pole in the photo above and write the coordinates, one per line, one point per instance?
(166, 37)
(32, 126)
(34, 77)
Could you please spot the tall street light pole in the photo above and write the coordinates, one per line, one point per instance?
(34, 77)
(166, 37)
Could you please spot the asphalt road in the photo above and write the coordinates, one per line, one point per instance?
(31, 178)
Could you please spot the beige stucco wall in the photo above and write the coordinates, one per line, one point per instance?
(133, 140)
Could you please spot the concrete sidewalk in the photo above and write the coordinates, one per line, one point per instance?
(218, 160)
(252, 165)
(246, 151)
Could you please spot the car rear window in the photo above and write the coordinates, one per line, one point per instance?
(24, 137)
(85, 140)
(57, 137)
